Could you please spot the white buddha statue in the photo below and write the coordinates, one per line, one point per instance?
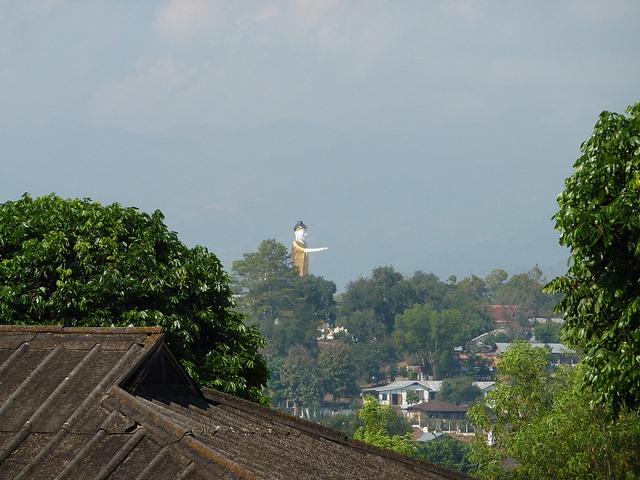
(300, 251)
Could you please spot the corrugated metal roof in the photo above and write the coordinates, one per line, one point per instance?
(554, 348)
(114, 403)
(403, 384)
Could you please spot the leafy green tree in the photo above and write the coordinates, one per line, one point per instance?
(287, 308)
(346, 423)
(469, 298)
(302, 380)
(375, 362)
(522, 393)
(374, 431)
(429, 335)
(413, 334)
(599, 221)
(430, 289)
(78, 263)
(446, 451)
(494, 280)
(338, 374)
(548, 332)
(264, 282)
(573, 440)
(526, 292)
(474, 286)
(363, 326)
(412, 397)
(544, 426)
(459, 390)
(386, 293)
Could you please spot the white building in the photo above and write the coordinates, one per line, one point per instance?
(396, 393)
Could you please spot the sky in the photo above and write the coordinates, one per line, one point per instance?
(428, 135)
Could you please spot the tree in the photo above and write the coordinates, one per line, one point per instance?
(302, 380)
(338, 374)
(548, 332)
(413, 334)
(287, 308)
(78, 263)
(599, 221)
(446, 451)
(495, 279)
(521, 393)
(459, 390)
(525, 291)
(469, 298)
(263, 281)
(544, 426)
(375, 361)
(374, 431)
(387, 293)
(346, 423)
(429, 335)
(430, 289)
(553, 444)
(363, 326)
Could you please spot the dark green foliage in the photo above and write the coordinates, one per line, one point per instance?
(446, 451)
(525, 291)
(459, 390)
(385, 293)
(430, 336)
(336, 361)
(264, 282)
(548, 332)
(599, 220)
(363, 326)
(395, 424)
(301, 379)
(78, 263)
(287, 308)
(375, 362)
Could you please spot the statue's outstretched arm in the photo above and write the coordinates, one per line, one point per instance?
(309, 250)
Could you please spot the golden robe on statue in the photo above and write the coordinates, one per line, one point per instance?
(300, 258)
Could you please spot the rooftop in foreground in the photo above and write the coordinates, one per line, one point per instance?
(115, 403)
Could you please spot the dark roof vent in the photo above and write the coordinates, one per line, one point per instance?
(158, 373)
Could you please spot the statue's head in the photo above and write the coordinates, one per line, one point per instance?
(300, 231)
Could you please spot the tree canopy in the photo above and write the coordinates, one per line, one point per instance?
(543, 426)
(599, 221)
(459, 390)
(287, 308)
(78, 263)
(374, 431)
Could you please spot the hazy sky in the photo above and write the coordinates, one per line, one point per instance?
(427, 135)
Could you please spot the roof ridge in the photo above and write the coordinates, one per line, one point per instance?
(63, 329)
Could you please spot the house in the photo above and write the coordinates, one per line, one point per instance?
(440, 416)
(438, 409)
(399, 393)
(114, 403)
(404, 393)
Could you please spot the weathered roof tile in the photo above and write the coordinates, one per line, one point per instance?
(115, 403)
